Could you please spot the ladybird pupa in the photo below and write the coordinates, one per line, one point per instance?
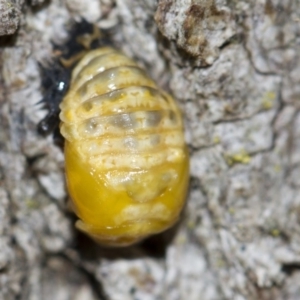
(125, 156)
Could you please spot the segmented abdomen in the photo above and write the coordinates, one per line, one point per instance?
(126, 160)
(118, 117)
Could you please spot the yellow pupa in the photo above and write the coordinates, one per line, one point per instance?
(126, 160)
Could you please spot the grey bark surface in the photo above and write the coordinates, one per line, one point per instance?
(10, 13)
(234, 67)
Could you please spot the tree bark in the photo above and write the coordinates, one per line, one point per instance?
(234, 67)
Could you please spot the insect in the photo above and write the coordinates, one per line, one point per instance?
(126, 162)
(125, 156)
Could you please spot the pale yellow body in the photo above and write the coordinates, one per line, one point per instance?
(126, 159)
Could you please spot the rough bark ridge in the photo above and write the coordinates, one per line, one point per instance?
(234, 66)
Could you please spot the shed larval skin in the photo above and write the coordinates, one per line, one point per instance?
(126, 159)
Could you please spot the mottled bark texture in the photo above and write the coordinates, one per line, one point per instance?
(10, 13)
(234, 67)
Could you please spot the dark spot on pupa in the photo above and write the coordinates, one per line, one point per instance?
(173, 117)
(153, 118)
(125, 121)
